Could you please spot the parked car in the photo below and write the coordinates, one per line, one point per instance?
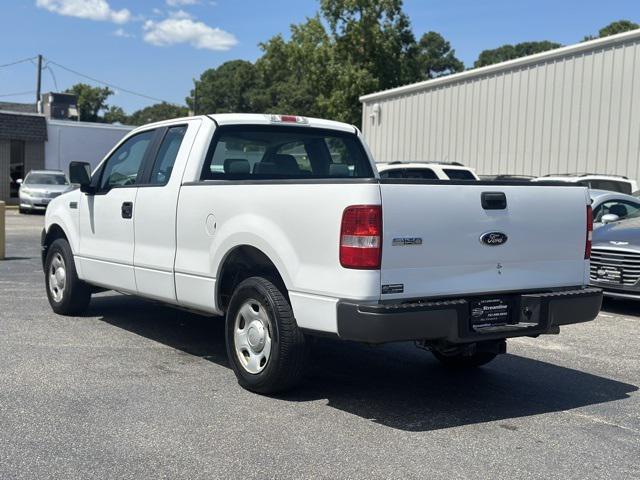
(507, 178)
(615, 259)
(282, 224)
(613, 183)
(40, 187)
(426, 171)
(611, 207)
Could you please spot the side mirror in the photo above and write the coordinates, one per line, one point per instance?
(80, 173)
(610, 218)
(19, 181)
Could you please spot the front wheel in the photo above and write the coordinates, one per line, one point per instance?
(461, 361)
(68, 295)
(266, 349)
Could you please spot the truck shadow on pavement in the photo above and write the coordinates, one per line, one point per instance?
(395, 385)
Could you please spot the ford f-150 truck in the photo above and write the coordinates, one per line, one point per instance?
(282, 224)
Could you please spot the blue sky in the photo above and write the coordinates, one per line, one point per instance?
(156, 47)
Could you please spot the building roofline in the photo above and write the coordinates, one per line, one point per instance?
(28, 114)
(498, 67)
(73, 123)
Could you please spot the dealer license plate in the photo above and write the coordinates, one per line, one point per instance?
(490, 311)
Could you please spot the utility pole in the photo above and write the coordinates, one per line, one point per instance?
(195, 97)
(39, 85)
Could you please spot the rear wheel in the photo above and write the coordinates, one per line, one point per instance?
(463, 361)
(68, 295)
(266, 349)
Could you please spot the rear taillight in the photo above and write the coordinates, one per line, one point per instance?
(587, 246)
(361, 237)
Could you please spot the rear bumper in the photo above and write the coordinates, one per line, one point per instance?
(448, 321)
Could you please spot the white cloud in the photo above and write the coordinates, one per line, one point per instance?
(121, 32)
(178, 3)
(180, 27)
(180, 14)
(89, 9)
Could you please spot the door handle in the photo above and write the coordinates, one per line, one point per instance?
(127, 210)
(493, 200)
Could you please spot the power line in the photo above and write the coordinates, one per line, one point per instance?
(131, 92)
(53, 76)
(18, 61)
(17, 94)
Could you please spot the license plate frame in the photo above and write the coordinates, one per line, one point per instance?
(490, 312)
(609, 274)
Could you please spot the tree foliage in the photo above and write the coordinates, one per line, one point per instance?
(613, 28)
(156, 113)
(349, 48)
(227, 88)
(510, 52)
(91, 100)
(115, 114)
(435, 57)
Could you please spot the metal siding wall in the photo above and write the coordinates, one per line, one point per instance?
(580, 112)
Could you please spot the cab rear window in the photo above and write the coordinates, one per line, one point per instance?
(246, 152)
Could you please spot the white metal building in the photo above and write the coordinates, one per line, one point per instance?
(69, 141)
(574, 109)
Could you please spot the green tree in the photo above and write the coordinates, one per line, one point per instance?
(351, 47)
(157, 112)
(373, 35)
(296, 75)
(435, 57)
(228, 88)
(91, 100)
(115, 114)
(510, 52)
(613, 28)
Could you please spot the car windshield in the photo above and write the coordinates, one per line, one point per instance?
(46, 179)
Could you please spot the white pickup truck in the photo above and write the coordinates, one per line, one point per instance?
(282, 224)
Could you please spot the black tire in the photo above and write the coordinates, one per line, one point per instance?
(289, 349)
(461, 362)
(76, 294)
(23, 210)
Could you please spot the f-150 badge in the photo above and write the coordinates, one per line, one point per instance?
(406, 241)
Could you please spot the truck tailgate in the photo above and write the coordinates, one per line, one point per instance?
(432, 243)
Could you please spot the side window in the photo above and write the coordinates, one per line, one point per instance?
(623, 209)
(611, 185)
(167, 155)
(458, 174)
(124, 165)
(412, 173)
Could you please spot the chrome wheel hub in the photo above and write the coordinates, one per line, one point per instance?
(251, 336)
(57, 277)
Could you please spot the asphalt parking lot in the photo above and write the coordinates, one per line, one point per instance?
(136, 390)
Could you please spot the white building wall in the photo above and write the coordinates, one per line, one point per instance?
(575, 109)
(79, 141)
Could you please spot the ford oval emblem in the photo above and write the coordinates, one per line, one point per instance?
(494, 239)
